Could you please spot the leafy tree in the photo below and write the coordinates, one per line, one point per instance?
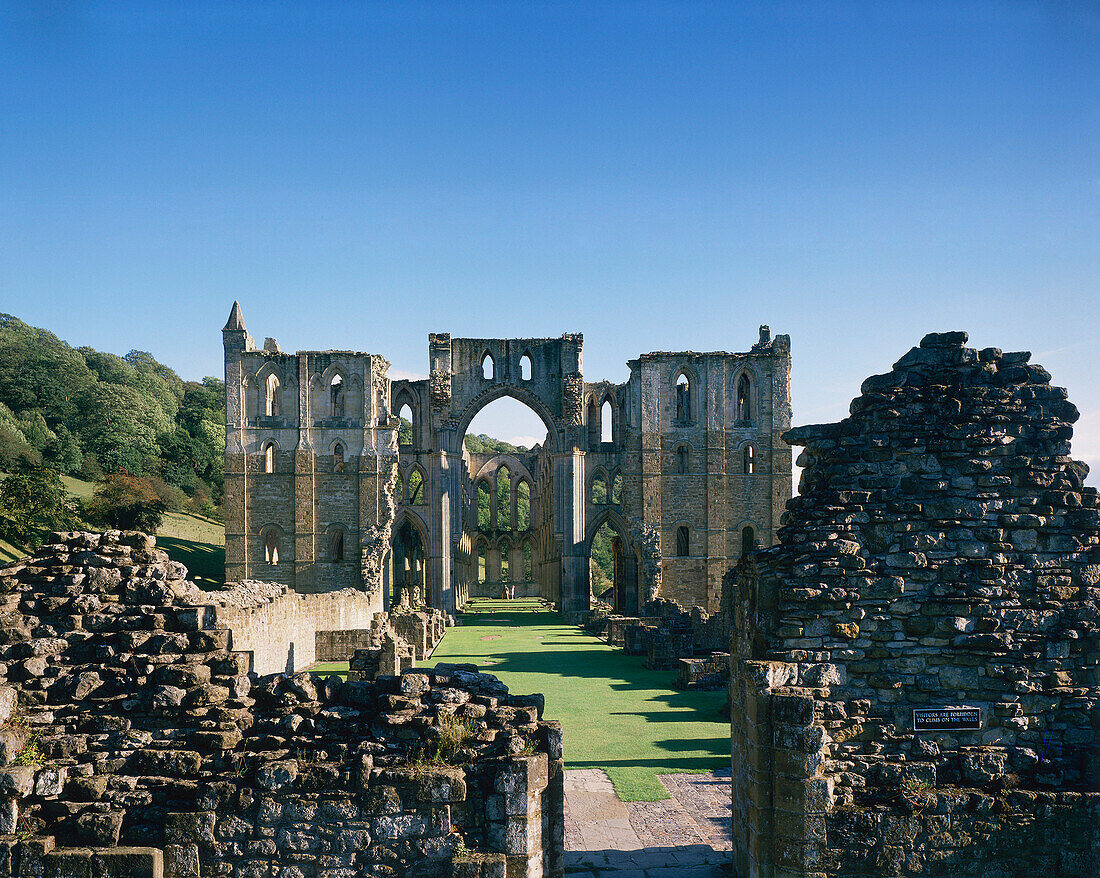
(33, 499)
(63, 452)
(128, 503)
(481, 443)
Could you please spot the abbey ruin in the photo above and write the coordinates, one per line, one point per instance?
(914, 640)
(684, 461)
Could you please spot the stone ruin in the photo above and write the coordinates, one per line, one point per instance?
(134, 741)
(668, 636)
(916, 663)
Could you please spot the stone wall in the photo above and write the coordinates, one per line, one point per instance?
(942, 553)
(280, 628)
(141, 744)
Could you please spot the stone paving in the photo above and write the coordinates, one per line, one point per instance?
(687, 835)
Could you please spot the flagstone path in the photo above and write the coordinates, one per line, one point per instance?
(687, 835)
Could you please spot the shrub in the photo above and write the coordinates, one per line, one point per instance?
(128, 503)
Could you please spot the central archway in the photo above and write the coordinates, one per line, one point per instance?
(505, 548)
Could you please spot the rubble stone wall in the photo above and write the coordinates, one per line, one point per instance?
(942, 553)
(133, 741)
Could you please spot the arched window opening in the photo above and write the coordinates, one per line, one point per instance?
(617, 489)
(416, 488)
(744, 405)
(271, 405)
(527, 563)
(484, 507)
(523, 505)
(525, 367)
(399, 490)
(405, 430)
(487, 367)
(593, 421)
(606, 422)
(336, 396)
(505, 565)
(601, 564)
(269, 457)
(599, 490)
(338, 458)
(271, 546)
(683, 541)
(336, 546)
(504, 499)
(683, 398)
(409, 574)
(482, 566)
(748, 541)
(682, 459)
(749, 460)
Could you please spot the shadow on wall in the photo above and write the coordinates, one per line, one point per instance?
(290, 658)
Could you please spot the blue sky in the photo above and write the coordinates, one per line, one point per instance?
(658, 176)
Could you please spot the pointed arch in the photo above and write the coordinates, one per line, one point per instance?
(748, 540)
(683, 541)
(597, 488)
(337, 544)
(503, 481)
(338, 457)
(592, 419)
(526, 367)
(523, 504)
(415, 482)
(484, 506)
(337, 396)
(744, 398)
(683, 458)
(488, 366)
(268, 455)
(607, 421)
(271, 540)
(272, 396)
(683, 384)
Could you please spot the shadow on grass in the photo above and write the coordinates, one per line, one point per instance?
(205, 563)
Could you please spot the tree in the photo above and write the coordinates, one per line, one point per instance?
(33, 499)
(128, 503)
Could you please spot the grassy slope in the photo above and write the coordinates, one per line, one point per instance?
(617, 715)
(196, 541)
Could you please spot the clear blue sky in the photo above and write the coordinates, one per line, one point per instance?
(658, 176)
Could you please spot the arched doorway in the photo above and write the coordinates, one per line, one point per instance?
(408, 570)
(613, 564)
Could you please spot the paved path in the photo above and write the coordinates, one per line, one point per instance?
(687, 835)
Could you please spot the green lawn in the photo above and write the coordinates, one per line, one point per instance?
(617, 715)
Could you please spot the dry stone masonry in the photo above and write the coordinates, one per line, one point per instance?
(134, 741)
(916, 663)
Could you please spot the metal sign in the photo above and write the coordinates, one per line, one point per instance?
(946, 719)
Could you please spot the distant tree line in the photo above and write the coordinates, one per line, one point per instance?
(148, 438)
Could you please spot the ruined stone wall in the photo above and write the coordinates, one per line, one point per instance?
(140, 744)
(279, 628)
(309, 514)
(942, 553)
(688, 468)
(719, 494)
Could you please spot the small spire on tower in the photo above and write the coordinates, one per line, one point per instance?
(236, 321)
